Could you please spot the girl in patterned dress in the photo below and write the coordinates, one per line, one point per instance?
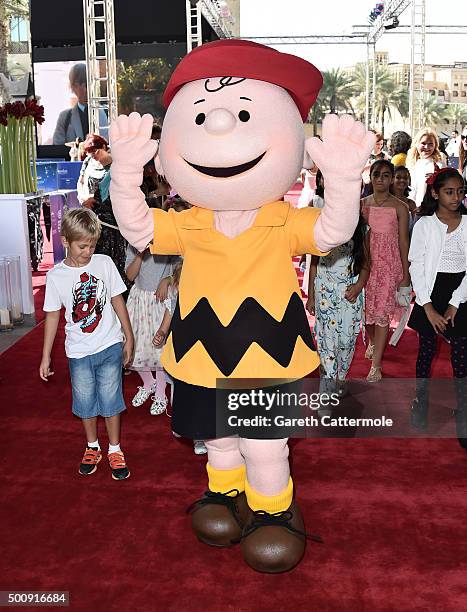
(146, 306)
(388, 219)
(335, 298)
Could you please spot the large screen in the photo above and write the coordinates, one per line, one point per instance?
(52, 88)
(140, 85)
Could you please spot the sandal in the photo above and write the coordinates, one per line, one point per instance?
(375, 374)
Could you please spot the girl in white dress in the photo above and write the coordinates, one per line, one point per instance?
(146, 306)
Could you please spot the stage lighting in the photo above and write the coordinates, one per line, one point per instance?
(391, 24)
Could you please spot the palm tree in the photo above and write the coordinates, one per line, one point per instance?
(389, 95)
(458, 115)
(435, 112)
(8, 8)
(316, 115)
(337, 91)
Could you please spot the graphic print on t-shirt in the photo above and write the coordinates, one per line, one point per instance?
(89, 297)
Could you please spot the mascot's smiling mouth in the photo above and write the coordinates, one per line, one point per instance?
(226, 172)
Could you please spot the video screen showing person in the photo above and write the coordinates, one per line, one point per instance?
(62, 89)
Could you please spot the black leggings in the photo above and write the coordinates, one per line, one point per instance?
(427, 350)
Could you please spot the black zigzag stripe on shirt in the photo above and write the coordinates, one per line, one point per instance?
(251, 323)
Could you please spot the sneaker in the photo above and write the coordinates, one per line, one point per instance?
(199, 447)
(159, 405)
(141, 396)
(89, 462)
(118, 466)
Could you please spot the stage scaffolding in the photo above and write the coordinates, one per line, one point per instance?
(99, 42)
(386, 23)
(101, 63)
(99, 35)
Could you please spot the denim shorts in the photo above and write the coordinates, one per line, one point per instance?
(96, 382)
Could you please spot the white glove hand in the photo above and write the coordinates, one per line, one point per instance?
(344, 150)
(130, 141)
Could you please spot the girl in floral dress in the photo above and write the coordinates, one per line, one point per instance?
(146, 306)
(388, 219)
(335, 298)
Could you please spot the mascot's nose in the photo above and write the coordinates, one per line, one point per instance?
(220, 121)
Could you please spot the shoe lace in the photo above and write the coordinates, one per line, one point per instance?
(221, 499)
(261, 518)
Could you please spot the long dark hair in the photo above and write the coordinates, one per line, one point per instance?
(462, 157)
(360, 255)
(319, 191)
(429, 204)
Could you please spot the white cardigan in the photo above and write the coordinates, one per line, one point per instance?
(426, 247)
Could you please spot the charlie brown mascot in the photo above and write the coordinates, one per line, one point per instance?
(232, 145)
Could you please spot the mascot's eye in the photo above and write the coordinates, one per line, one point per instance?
(244, 116)
(200, 119)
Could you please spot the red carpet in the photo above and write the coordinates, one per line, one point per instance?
(391, 512)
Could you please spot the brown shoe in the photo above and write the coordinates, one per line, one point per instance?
(218, 519)
(275, 543)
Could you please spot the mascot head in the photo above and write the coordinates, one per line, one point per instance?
(233, 135)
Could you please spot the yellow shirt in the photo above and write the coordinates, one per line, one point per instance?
(399, 159)
(240, 313)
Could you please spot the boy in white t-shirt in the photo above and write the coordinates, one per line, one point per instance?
(90, 288)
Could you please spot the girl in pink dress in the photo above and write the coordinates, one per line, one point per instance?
(388, 219)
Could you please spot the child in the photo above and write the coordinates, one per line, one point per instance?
(90, 288)
(317, 202)
(146, 307)
(163, 331)
(423, 159)
(388, 219)
(437, 268)
(335, 297)
(401, 188)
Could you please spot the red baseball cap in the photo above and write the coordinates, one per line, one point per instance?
(250, 60)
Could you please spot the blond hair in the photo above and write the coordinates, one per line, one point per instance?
(80, 223)
(413, 155)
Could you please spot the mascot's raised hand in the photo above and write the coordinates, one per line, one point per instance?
(132, 147)
(344, 149)
(340, 156)
(130, 139)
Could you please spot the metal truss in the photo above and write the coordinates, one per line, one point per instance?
(194, 34)
(211, 10)
(417, 66)
(99, 38)
(356, 37)
(392, 10)
(370, 93)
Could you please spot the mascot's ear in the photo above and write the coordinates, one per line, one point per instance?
(158, 165)
(308, 163)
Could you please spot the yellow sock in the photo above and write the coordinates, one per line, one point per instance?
(222, 481)
(271, 504)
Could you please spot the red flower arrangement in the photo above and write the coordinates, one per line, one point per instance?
(17, 146)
